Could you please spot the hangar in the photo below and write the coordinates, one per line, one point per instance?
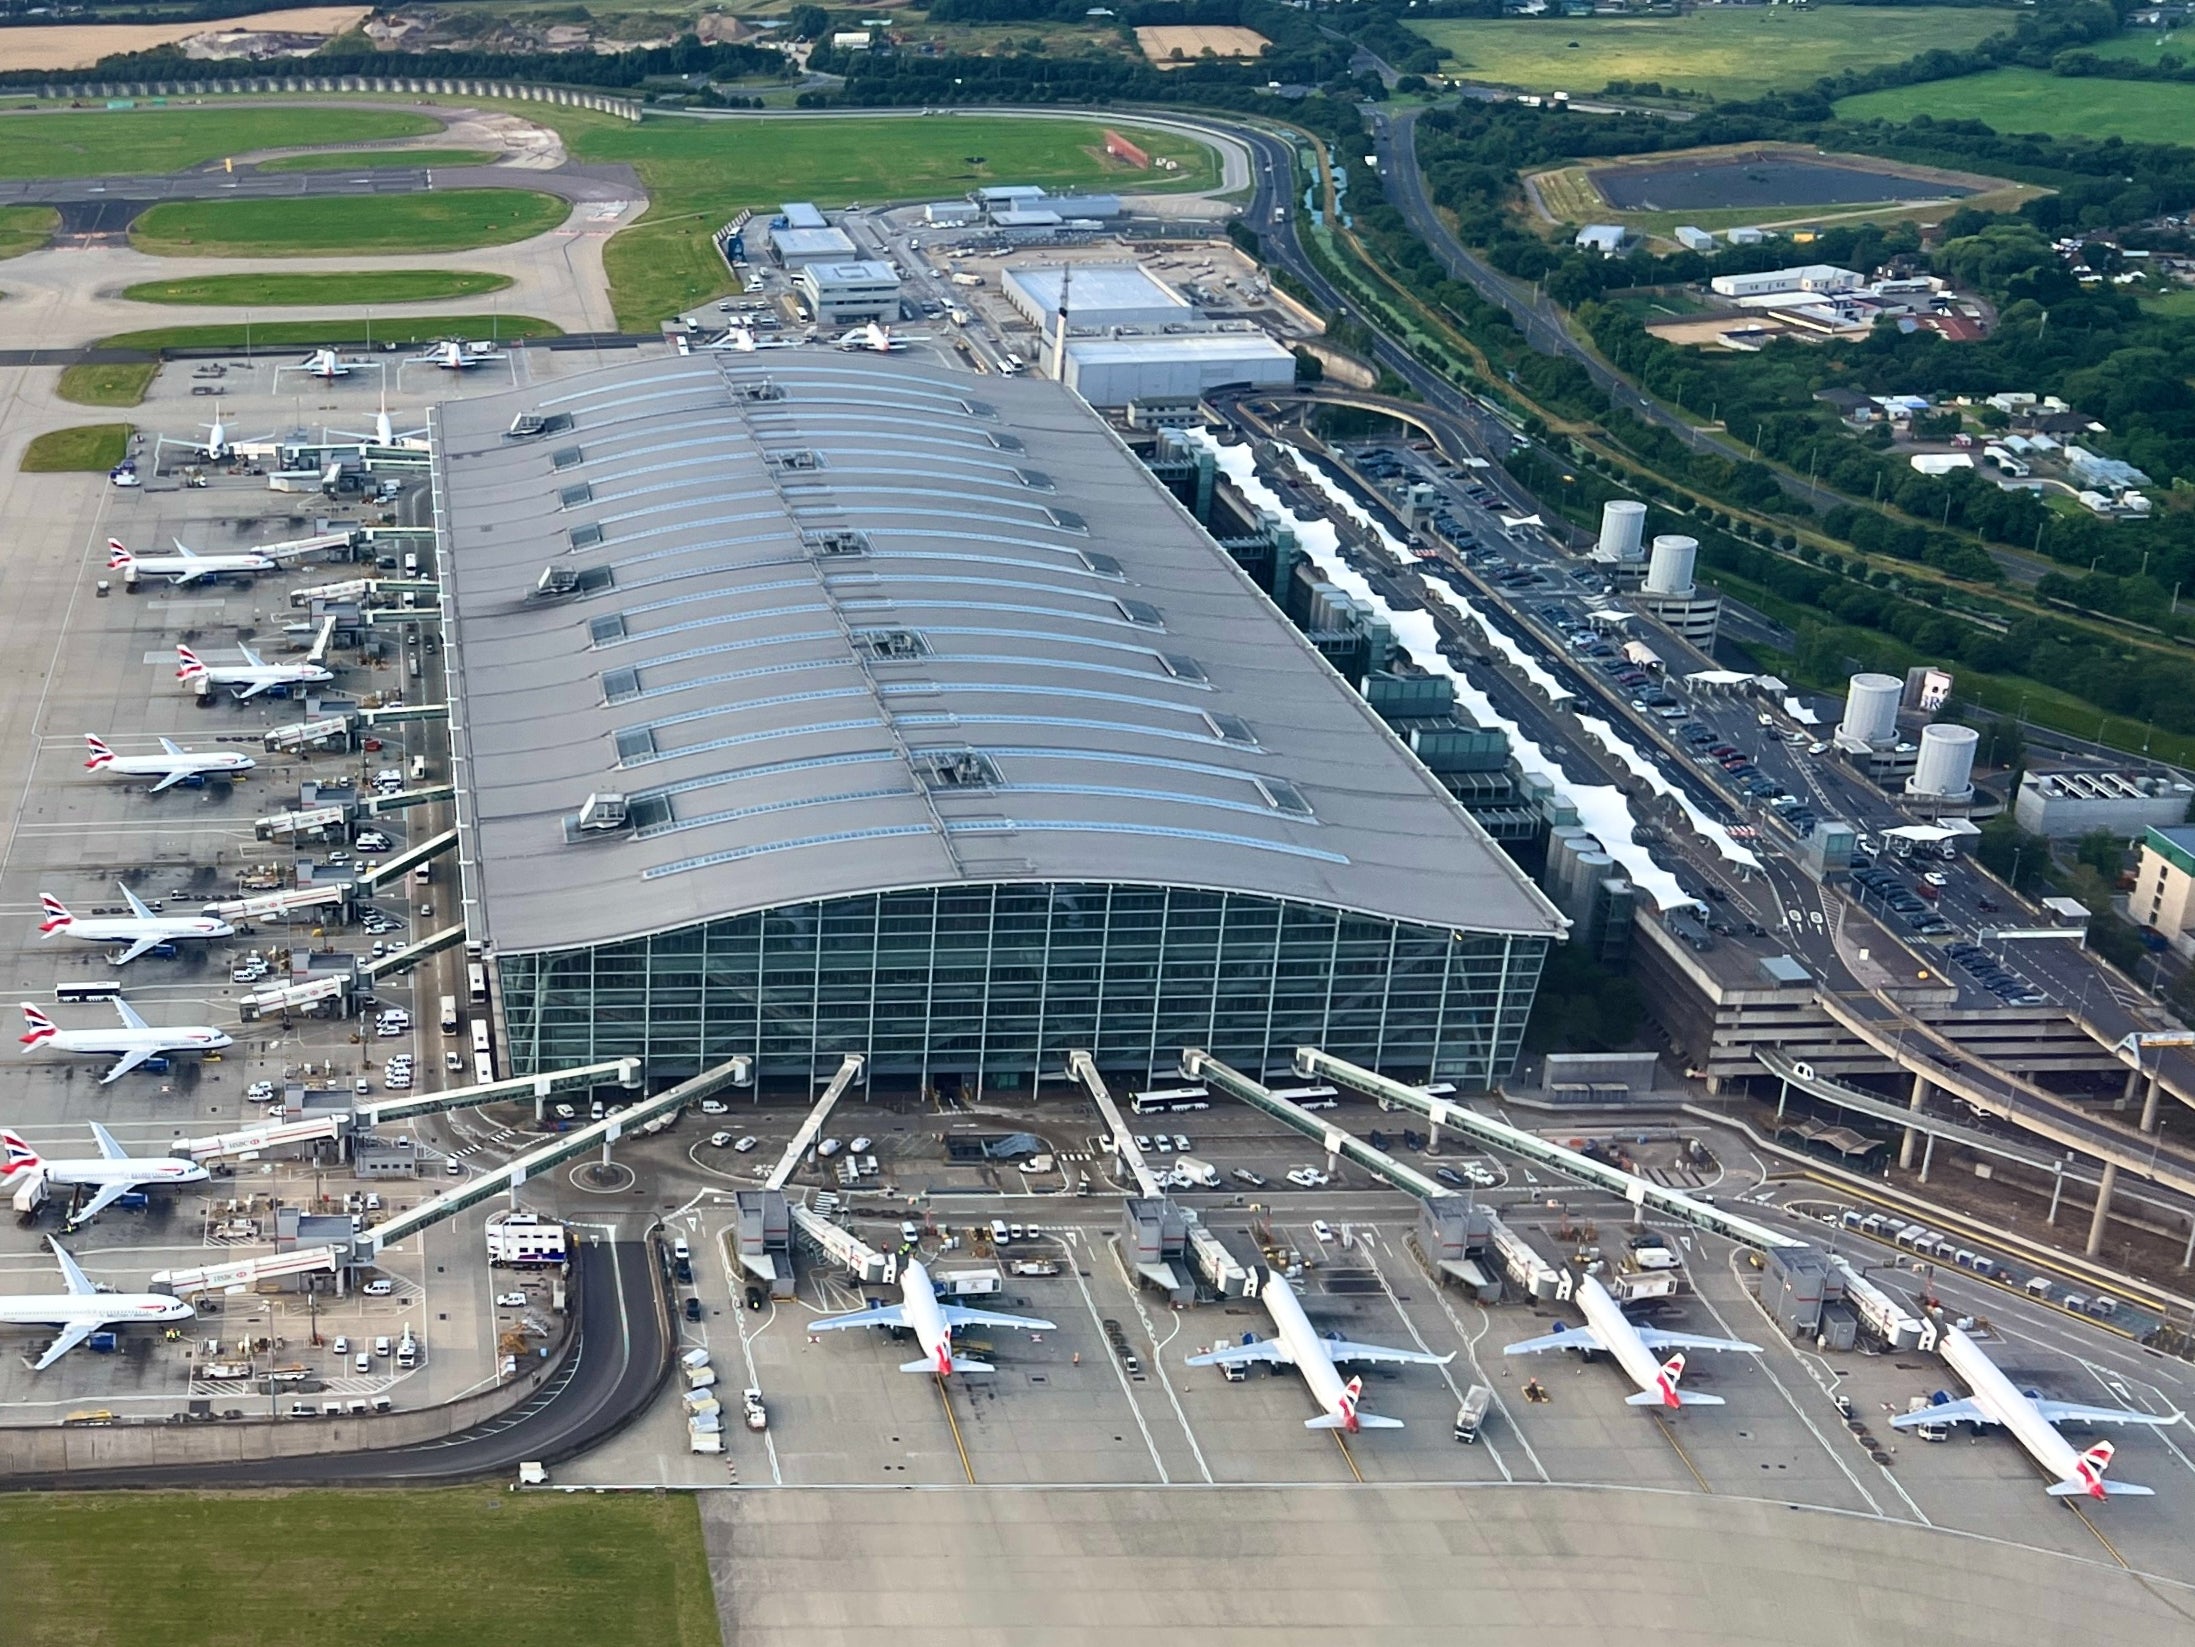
(857, 704)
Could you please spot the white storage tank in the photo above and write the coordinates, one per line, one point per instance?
(1944, 769)
(1623, 529)
(1871, 709)
(1670, 571)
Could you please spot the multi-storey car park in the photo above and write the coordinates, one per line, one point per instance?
(847, 705)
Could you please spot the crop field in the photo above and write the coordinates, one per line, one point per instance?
(1719, 52)
(2031, 100)
(79, 45)
(90, 446)
(449, 1568)
(297, 291)
(456, 221)
(372, 160)
(700, 173)
(124, 142)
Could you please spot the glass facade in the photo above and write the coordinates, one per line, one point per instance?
(986, 986)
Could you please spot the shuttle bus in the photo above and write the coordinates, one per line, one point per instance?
(481, 1056)
(73, 994)
(449, 1015)
(1170, 1101)
(483, 1069)
(476, 982)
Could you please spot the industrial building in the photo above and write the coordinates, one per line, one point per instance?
(1822, 279)
(1671, 596)
(2072, 802)
(2164, 883)
(1867, 733)
(1099, 296)
(847, 704)
(1116, 371)
(842, 293)
(800, 235)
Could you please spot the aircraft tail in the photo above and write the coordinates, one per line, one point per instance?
(956, 1364)
(37, 1027)
(2088, 1478)
(15, 1155)
(58, 918)
(97, 754)
(187, 665)
(119, 559)
(1665, 1393)
(1364, 1421)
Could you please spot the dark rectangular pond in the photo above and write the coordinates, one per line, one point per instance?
(1738, 184)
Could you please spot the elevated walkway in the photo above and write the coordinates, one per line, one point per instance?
(403, 960)
(849, 1070)
(1082, 1067)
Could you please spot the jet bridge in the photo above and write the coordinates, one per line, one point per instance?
(849, 1070)
(866, 1264)
(403, 960)
(288, 997)
(374, 805)
(1082, 1067)
(294, 823)
(396, 868)
(624, 1071)
(292, 902)
(273, 1135)
(1199, 1065)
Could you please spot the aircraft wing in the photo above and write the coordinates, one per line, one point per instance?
(2072, 1412)
(124, 1064)
(253, 690)
(169, 782)
(1655, 1339)
(172, 747)
(106, 1197)
(70, 1336)
(1570, 1338)
(137, 905)
(1341, 1349)
(1949, 1412)
(72, 1273)
(252, 658)
(1235, 1355)
(130, 1019)
(884, 1315)
(955, 1316)
(108, 1148)
(137, 948)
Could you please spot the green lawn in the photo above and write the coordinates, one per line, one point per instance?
(104, 385)
(311, 334)
(2180, 303)
(365, 224)
(2031, 100)
(372, 1568)
(1725, 53)
(26, 228)
(321, 290)
(379, 160)
(699, 173)
(90, 446)
(101, 142)
(2144, 45)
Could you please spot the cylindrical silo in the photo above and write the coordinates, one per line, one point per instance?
(1623, 529)
(1945, 767)
(1871, 709)
(1670, 571)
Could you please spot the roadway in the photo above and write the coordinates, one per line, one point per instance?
(616, 1363)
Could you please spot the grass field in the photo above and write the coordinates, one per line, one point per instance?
(2144, 45)
(361, 1569)
(119, 142)
(2180, 303)
(370, 160)
(2030, 100)
(365, 224)
(91, 446)
(699, 173)
(311, 334)
(321, 290)
(26, 228)
(103, 385)
(1724, 53)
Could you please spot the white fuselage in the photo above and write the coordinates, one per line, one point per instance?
(185, 567)
(134, 1171)
(129, 929)
(1613, 1328)
(919, 1299)
(178, 1038)
(101, 1309)
(1999, 1397)
(267, 674)
(1303, 1347)
(168, 766)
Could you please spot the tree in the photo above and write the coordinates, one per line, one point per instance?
(2103, 852)
(2013, 855)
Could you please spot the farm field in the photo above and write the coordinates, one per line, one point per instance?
(370, 160)
(319, 290)
(2031, 100)
(123, 142)
(378, 1569)
(79, 45)
(699, 174)
(456, 221)
(1722, 53)
(1161, 41)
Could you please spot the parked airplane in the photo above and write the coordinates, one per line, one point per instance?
(1608, 1328)
(454, 355)
(2032, 1421)
(186, 566)
(874, 337)
(1294, 1344)
(216, 445)
(255, 675)
(931, 1322)
(134, 1040)
(173, 766)
(141, 929)
(326, 363)
(742, 340)
(109, 1175)
(386, 433)
(84, 1309)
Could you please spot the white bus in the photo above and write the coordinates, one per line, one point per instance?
(476, 982)
(482, 1058)
(72, 994)
(449, 1015)
(1172, 1100)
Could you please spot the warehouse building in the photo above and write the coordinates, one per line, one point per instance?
(1115, 371)
(839, 294)
(851, 704)
(795, 244)
(1099, 296)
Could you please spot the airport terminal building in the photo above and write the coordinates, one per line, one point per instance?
(827, 704)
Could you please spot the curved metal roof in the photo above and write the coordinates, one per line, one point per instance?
(835, 624)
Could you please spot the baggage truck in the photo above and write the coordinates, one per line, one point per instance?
(1472, 1413)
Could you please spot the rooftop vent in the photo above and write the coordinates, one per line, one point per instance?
(1068, 521)
(601, 812)
(1005, 442)
(607, 631)
(1141, 613)
(799, 462)
(556, 582)
(566, 457)
(890, 645)
(758, 389)
(1036, 480)
(586, 537)
(1103, 565)
(979, 408)
(1183, 667)
(837, 541)
(956, 769)
(1284, 797)
(1231, 729)
(528, 426)
(571, 497)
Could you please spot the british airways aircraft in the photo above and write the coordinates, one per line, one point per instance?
(133, 1041)
(173, 765)
(931, 1322)
(141, 929)
(1295, 1344)
(1634, 1348)
(186, 565)
(109, 1175)
(84, 1309)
